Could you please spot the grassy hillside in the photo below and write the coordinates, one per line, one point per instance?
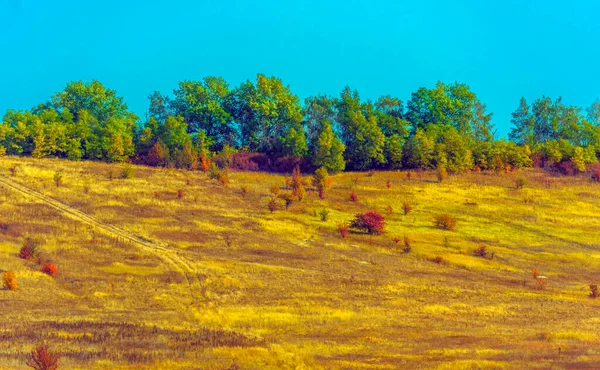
(232, 285)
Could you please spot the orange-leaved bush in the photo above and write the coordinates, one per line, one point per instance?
(353, 196)
(296, 183)
(370, 222)
(9, 279)
(50, 268)
(444, 222)
(322, 181)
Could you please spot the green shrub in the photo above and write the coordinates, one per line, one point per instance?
(127, 172)
(324, 214)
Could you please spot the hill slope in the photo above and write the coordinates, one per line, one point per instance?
(210, 279)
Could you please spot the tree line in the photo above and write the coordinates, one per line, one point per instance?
(446, 126)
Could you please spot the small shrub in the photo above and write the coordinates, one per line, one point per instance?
(442, 173)
(110, 174)
(29, 250)
(180, 194)
(275, 190)
(540, 281)
(223, 178)
(439, 260)
(244, 191)
(444, 222)
(520, 183)
(205, 163)
(343, 229)
(594, 291)
(370, 222)
(58, 179)
(86, 188)
(9, 279)
(407, 244)
(476, 169)
(322, 182)
(396, 240)
(596, 176)
(127, 172)
(213, 172)
(406, 207)
(389, 209)
(296, 183)
(353, 196)
(272, 205)
(14, 170)
(370, 173)
(481, 251)
(408, 175)
(355, 180)
(288, 198)
(324, 214)
(43, 359)
(50, 269)
(388, 184)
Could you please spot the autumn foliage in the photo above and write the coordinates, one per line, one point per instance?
(445, 222)
(50, 268)
(43, 359)
(29, 250)
(322, 182)
(9, 279)
(370, 222)
(343, 229)
(296, 184)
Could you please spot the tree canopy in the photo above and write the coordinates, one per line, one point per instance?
(443, 126)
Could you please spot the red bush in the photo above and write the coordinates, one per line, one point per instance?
(353, 196)
(43, 359)
(596, 176)
(50, 269)
(29, 250)
(289, 163)
(370, 222)
(343, 229)
(246, 161)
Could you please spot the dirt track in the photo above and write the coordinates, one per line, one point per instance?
(169, 254)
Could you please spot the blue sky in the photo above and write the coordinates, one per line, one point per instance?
(502, 49)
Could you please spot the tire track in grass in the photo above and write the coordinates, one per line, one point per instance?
(165, 252)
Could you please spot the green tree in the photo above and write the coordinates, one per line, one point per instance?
(329, 150)
(202, 104)
(360, 133)
(93, 97)
(419, 150)
(270, 117)
(522, 131)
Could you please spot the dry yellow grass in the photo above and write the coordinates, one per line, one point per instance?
(236, 284)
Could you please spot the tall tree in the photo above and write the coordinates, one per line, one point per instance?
(329, 150)
(389, 112)
(202, 105)
(361, 134)
(522, 131)
(270, 117)
(93, 97)
(316, 110)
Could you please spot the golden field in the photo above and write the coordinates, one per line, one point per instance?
(222, 283)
